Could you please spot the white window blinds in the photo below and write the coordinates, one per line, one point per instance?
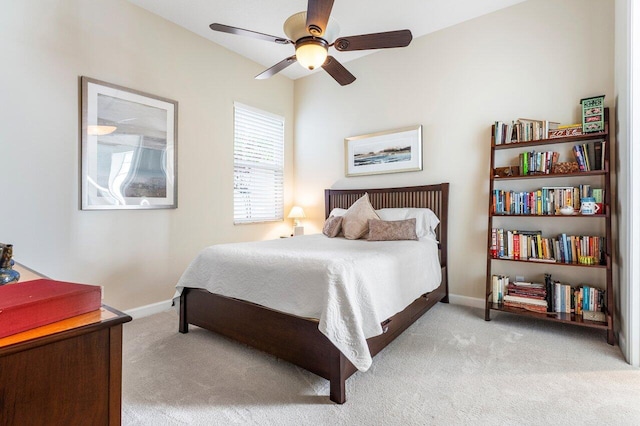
(258, 165)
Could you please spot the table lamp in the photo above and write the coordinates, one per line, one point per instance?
(296, 214)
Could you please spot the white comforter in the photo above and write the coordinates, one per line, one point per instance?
(349, 286)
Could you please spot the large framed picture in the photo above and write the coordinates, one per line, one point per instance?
(129, 148)
(392, 151)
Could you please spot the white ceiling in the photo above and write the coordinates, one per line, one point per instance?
(353, 16)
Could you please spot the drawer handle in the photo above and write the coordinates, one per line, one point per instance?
(385, 326)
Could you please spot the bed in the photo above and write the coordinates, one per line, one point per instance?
(304, 339)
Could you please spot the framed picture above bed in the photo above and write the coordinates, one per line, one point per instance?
(391, 151)
(129, 148)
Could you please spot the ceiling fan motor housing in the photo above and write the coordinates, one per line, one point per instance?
(295, 27)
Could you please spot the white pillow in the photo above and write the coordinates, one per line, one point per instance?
(426, 219)
(337, 212)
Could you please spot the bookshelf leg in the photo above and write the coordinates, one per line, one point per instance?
(611, 337)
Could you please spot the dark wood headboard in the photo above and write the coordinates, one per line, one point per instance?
(434, 197)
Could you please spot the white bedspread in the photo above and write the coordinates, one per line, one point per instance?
(349, 286)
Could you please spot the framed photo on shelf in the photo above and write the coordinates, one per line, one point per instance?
(129, 148)
(392, 151)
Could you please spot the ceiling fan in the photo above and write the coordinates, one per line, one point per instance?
(311, 32)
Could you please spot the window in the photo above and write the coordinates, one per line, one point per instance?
(258, 161)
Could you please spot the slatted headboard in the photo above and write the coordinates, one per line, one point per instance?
(434, 197)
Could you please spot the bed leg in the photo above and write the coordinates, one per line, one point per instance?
(445, 279)
(183, 327)
(337, 391)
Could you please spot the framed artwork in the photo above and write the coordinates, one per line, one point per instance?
(129, 148)
(392, 151)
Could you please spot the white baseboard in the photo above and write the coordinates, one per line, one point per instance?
(165, 305)
(145, 311)
(473, 302)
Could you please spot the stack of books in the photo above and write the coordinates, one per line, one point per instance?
(525, 295)
(499, 285)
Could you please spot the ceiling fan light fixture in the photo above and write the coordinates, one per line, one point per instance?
(311, 53)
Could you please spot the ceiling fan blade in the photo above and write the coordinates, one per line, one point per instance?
(400, 38)
(276, 68)
(318, 12)
(239, 31)
(337, 71)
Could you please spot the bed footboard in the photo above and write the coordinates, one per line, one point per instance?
(289, 337)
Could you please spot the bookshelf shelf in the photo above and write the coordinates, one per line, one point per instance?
(539, 142)
(579, 265)
(550, 216)
(552, 316)
(554, 175)
(596, 231)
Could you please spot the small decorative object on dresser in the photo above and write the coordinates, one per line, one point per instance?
(7, 273)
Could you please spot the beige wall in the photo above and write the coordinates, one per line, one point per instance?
(536, 59)
(137, 255)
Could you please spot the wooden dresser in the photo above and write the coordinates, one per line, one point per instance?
(65, 373)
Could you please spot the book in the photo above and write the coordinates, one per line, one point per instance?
(577, 152)
(588, 156)
(527, 306)
(494, 242)
(549, 287)
(495, 290)
(39, 302)
(535, 259)
(528, 300)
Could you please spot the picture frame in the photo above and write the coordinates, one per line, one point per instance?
(391, 151)
(128, 148)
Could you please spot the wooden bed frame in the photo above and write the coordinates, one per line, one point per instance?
(297, 339)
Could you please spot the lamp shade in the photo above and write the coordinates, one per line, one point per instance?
(296, 213)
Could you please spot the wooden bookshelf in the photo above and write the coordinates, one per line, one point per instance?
(495, 265)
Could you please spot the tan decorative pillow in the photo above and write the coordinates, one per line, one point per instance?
(382, 230)
(355, 221)
(332, 226)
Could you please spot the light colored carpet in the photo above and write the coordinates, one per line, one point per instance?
(450, 367)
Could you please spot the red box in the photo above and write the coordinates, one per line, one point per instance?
(28, 305)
